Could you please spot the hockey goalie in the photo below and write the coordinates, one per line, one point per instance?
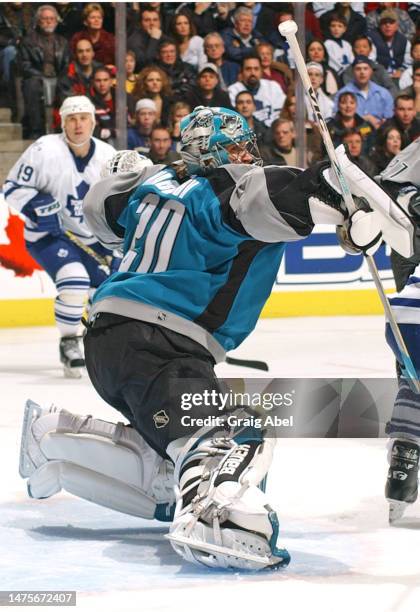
(202, 242)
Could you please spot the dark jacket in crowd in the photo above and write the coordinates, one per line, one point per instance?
(262, 132)
(337, 131)
(210, 21)
(394, 60)
(236, 50)
(272, 155)
(70, 18)
(219, 98)
(15, 22)
(380, 158)
(182, 77)
(144, 46)
(32, 54)
(365, 163)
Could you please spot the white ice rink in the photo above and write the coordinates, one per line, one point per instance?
(329, 494)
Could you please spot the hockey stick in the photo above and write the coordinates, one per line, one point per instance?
(288, 29)
(247, 363)
(102, 261)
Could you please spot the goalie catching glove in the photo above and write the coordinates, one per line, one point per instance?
(222, 517)
(378, 216)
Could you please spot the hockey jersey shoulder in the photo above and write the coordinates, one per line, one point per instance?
(103, 149)
(105, 201)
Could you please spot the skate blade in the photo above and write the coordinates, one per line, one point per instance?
(31, 411)
(221, 550)
(396, 510)
(72, 372)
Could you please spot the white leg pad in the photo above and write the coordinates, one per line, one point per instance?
(100, 489)
(107, 463)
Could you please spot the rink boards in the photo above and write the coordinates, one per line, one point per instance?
(316, 278)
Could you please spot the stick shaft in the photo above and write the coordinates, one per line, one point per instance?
(102, 261)
(351, 207)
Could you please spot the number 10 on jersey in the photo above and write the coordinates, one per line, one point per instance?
(160, 235)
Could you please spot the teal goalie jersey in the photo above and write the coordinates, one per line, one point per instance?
(200, 256)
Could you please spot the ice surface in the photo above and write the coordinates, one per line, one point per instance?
(329, 494)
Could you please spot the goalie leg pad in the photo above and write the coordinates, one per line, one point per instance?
(97, 488)
(109, 459)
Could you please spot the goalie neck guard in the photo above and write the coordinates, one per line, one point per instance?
(207, 132)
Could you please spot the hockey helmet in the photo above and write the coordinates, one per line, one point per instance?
(76, 104)
(207, 132)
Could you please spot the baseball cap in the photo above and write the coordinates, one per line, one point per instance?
(361, 59)
(145, 103)
(388, 15)
(209, 66)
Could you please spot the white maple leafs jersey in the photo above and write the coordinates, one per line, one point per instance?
(49, 166)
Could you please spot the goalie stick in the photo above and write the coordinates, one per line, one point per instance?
(288, 29)
(248, 363)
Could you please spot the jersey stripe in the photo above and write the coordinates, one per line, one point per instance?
(223, 185)
(218, 309)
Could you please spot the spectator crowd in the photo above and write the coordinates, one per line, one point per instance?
(363, 61)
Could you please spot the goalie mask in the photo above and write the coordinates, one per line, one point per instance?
(212, 137)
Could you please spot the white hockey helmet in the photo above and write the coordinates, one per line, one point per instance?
(125, 161)
(76, 104)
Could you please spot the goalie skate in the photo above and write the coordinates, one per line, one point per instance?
(237, 549)
(71, 357)
(222, 517)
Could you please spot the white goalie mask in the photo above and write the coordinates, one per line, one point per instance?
(125, 161)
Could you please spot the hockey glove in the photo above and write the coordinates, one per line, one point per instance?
(364, 228)
(43, 210)
(396, 225)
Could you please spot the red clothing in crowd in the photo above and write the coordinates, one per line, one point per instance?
(104, 47)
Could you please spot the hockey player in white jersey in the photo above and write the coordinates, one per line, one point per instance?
(47, 185)
(401, 178)
(202, 243)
